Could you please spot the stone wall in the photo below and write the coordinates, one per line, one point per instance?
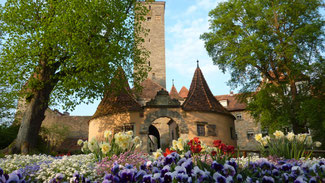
(243, 126)
(77, 125)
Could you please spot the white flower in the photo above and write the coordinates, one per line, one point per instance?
(156, 155)
(318, 144)
(278, 134)
(290, 136)
(136, 140)
(79, 142)
(301, 137)
(129, 133)
(105, 147)
(107, 134)
(309, 140)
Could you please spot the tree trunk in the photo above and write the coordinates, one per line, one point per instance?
(31, 122)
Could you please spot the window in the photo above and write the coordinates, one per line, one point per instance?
(149, 40)
(264, 132)
(212, 130)
(149, 63)
(124, 128)
(148, 18)
(250, 134)
(149, 7)
(153, 76)
(200, 129)
(238, 116)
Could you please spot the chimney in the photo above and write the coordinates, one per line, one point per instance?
(231, 93)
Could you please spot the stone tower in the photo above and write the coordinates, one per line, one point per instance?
(155, 41)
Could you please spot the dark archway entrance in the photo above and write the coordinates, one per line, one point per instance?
(154, 138)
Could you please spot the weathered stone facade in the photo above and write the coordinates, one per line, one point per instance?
(155, 41)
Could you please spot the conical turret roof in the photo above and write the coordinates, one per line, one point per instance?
(200, 97)
(174, 94)
(183, 92)
(117, 100)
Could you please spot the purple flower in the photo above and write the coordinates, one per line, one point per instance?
(219, 178)
(265, 165)
(140, 175)
(168, 177)
(313, 180)
(165, 170)
(299, 180)
(229, 170)
(180, 170)
(115, 169)
(188, 165)
(127, 175)
(275, 172)
(232, 163)
(286, 167)
(169, 159)
(147, 178)
(267, 179)
(216, 166)
(188, 154)
(239, 178)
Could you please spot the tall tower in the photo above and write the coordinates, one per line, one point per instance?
(155, 41)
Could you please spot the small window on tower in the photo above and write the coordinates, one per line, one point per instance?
(149, 40)
(148, 18)
(153, 76)
(149, 7)
(149, 63)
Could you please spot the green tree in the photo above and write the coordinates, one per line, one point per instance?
(274, 48)
(66, 51)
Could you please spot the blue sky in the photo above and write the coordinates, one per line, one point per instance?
(185, 21)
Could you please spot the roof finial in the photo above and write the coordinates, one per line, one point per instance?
(173, 81)
(197, 63)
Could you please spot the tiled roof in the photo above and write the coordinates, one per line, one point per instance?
(174, 94)
(118, 100)
(149, 89)
(200, 97)
(233, 103)
(183, 92)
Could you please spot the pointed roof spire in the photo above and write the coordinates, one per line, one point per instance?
(173, 81)
(173, 93)
(197, 62)
(119, 100)
(183, 92)
(200, 97)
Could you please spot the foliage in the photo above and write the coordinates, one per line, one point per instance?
(112, 145)
(275, 48)
(290, 146)
(54, 135)
(8, 101)
(80, 43)
(8, 134)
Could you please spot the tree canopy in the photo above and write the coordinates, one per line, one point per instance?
(274, 50)
(67, 51)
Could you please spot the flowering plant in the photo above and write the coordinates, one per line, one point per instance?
(112, 145)
(287, 146)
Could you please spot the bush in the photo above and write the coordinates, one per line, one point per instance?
(8, 133)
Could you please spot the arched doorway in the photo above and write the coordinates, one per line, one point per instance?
(162, 132)
(153, 139)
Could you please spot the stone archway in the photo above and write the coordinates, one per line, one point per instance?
(175, 126)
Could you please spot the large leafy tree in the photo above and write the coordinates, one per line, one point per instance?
(273, 49)
(66, 51)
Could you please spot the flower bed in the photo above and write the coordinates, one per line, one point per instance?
(116, 160)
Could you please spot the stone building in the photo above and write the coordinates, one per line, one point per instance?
(163, 118)
(158, 116)
(245, 126)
